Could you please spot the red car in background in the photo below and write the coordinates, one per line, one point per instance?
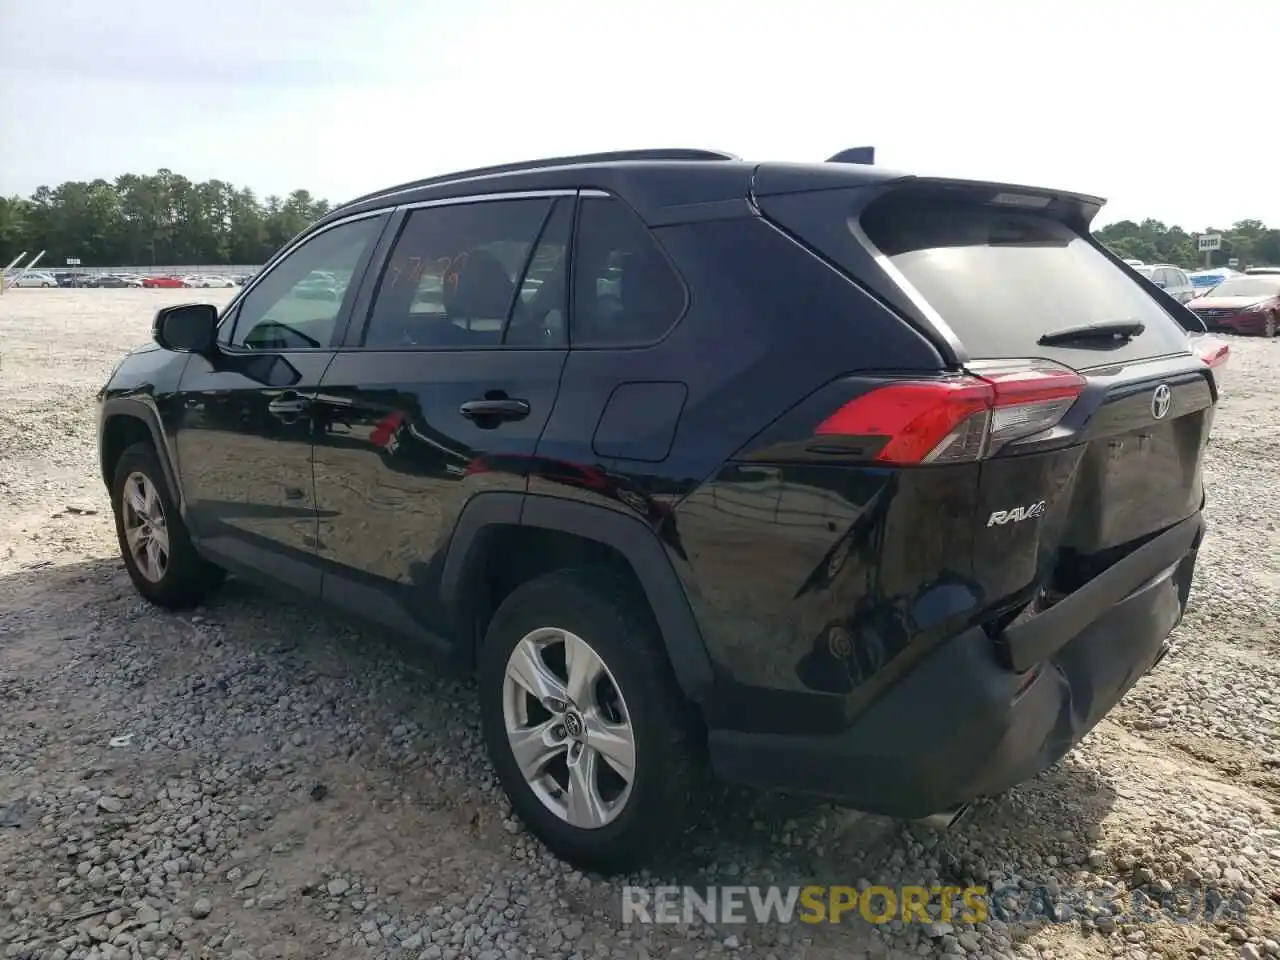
(165, 282)
(1246, 304)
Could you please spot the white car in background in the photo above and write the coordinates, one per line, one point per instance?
(206, 282)
(1172, 280)
(36, 278)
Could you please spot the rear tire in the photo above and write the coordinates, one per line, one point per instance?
(614, 772)
(154, 542)
(1270, 329)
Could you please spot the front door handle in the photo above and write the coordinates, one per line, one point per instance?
(495, 410)
(290, 405)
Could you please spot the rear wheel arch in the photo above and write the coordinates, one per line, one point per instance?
(502, 540)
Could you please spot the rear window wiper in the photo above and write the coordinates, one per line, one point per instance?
(1108, 330)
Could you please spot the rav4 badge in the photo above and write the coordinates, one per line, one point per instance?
(1016, 515)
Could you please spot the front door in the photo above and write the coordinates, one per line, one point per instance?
(245, 429)
(441, 395)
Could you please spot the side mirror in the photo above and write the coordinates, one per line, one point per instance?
(186, 328)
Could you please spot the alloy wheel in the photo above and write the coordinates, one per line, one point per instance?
(145, 530)
(569, 728)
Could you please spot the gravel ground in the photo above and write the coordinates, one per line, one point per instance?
(258, 780)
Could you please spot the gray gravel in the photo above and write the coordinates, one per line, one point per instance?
(258, 780)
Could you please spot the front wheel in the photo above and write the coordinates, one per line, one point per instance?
(1270, 329)
(584, 723)
(154, 543)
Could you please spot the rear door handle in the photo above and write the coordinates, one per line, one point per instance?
(504, 409)
(289, 405)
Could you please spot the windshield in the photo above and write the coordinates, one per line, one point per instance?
(1146, 271)
(1261, 286)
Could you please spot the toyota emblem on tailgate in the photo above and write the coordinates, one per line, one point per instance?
(1160, 401)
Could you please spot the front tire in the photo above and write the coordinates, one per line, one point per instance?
(154, 542)
(584, 723)
(1270, 329)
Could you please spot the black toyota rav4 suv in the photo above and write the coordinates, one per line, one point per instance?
(822, 478)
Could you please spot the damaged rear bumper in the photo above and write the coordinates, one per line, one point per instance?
(962, 724)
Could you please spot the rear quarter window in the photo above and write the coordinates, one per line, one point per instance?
(625, 291)
(1003, 278)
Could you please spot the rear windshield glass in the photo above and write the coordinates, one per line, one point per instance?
(1003, 278)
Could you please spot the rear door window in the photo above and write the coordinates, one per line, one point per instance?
(1003, 278)
(455, 273)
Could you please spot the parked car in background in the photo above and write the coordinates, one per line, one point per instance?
(1245, 304)
(114, 280)
(1172, 280)
(205, 282)
(1262, 271)
(319, 285)
(163, 282)
(33, 278)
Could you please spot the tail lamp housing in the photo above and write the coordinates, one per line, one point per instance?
(1212, 351)
(962, 418)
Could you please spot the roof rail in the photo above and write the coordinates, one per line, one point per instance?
(865, 155)
(613, 156)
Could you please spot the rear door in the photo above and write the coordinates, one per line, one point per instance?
(1013, 284)
(440, 392)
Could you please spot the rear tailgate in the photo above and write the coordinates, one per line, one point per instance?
(989, 272)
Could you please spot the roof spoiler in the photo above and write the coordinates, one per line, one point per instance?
(863, 155)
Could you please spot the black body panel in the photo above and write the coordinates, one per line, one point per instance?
(394, 465)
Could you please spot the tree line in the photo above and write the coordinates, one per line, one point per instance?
(165, 218)
(161, 218)
(1249, 242)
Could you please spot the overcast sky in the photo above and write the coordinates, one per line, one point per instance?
(1125, 99)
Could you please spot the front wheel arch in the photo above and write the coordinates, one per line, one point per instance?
(125, 421)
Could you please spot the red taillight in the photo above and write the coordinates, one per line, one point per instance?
(960, 418)
(1213, 352)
